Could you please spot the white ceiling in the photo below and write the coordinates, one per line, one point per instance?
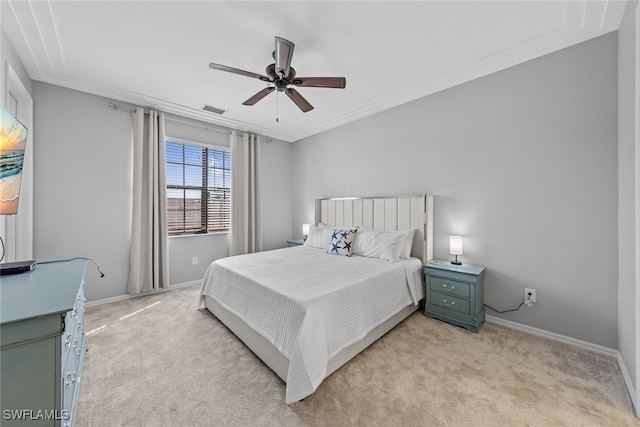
(156, 53)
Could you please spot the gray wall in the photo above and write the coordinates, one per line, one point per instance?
(82, 184)
(628, 195)
(522, 163)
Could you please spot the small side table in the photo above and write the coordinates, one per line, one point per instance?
(455, 293)
(295, 242)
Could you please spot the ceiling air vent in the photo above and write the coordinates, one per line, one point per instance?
(214, 110)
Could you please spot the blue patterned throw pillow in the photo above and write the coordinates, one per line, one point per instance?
(341, 242)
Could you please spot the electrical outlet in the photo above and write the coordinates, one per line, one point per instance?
(194, 260)
(529, 296)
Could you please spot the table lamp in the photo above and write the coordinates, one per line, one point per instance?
(455, 248)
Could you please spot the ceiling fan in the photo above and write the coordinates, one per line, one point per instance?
(281, 75)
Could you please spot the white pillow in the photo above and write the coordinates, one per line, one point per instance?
(405, 253)
(385, 245)
(318, 237)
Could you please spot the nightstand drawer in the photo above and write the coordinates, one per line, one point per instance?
(448, 286)
(450, 302)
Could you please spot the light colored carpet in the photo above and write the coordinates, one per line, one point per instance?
(158, 361)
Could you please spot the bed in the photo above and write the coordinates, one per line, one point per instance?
(307, 310)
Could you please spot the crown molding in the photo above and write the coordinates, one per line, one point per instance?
(43, 57)
(585, 20)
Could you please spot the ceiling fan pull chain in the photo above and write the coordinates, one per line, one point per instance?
(277, 107)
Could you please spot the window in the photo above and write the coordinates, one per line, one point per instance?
(198, 188)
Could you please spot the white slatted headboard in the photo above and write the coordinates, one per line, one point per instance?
(384, 213)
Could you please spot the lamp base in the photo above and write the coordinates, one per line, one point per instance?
(456, 263)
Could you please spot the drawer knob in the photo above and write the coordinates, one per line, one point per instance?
(72, 378)
(451, 288)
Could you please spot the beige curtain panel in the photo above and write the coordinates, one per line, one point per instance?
(148, 256)
(246, 218)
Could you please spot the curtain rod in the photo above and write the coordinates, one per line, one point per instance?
(116, 105)
(169, 116)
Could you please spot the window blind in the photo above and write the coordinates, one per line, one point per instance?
(198, 188)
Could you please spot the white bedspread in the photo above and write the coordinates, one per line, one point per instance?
(309, 304)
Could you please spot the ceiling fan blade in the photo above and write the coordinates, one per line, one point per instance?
(238, 71)
(283, 55)
(258, 96)
(299, 100)
(329, 82)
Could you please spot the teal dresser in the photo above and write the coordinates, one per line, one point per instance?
(455, 293)
(41, 344)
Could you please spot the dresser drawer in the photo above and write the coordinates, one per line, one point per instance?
(450, 302)
(448, 286)
(73, 356)
(73, 335)
(73, 349)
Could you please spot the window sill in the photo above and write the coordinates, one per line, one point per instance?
(214, 233)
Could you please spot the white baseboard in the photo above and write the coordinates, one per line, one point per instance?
(627, 380)
(576, 343)
(129, 296)
(553, 336)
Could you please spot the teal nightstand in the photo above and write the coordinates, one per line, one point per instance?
(295, 242)
(455, 293)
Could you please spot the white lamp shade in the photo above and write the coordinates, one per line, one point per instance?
(305, 229)
(455, 245)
